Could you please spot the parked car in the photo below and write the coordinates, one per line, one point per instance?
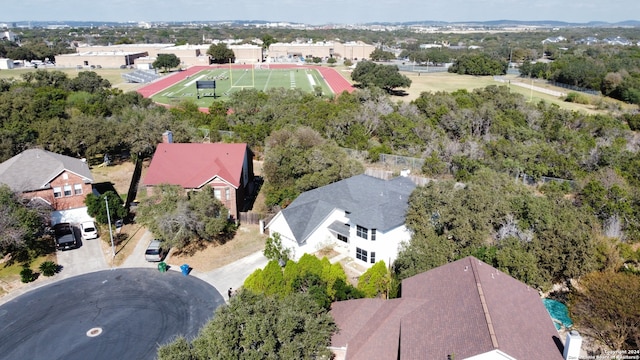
(65, 237)
(155, 251)
(88, 230)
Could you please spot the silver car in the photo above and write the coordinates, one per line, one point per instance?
(154, 251)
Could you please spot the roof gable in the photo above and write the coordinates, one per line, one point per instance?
(370, 202)
(34, 169)
(193, 165)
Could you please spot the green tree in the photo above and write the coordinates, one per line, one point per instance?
(180, 220)
(478, 64)
(166, 62)
(298, 160)
(375, 281)
(273, 249)
(381, 55)
(20, 225)
(386, 77)
(97, 207)
(221, 54)
(256, 326)
(605, 307)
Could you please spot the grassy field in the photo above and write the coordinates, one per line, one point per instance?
(448, 82)
(230, 80)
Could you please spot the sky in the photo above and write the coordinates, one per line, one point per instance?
(317, 12)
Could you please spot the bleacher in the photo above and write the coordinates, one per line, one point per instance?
(140, 76)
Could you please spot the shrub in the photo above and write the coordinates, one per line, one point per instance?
(27, 275)
(577, 98)
(48, 268)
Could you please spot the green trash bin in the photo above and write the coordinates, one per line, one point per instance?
(162, 266)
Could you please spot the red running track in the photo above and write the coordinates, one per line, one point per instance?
(336, 82)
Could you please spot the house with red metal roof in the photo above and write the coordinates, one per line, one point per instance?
(228, 168)
(462, 310)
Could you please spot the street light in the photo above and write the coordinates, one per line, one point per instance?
(113, 250)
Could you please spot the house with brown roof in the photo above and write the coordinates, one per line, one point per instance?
(60, 181)
(228, 168)
(462, 310)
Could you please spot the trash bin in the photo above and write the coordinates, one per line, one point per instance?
(185, 269)
(162, 266)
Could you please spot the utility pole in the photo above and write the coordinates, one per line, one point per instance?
(113, 249)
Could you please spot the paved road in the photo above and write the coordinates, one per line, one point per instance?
(105, 315)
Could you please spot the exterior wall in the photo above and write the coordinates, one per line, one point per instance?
(112, 59)
(151, 49)
(351, 50)
(385, 246)
(63, 202)
(232, 202)
(322, 237)
(249, 54)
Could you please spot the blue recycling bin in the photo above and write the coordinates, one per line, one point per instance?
(185, 269)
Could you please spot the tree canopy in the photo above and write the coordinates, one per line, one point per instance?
(97, 207)
(166, 62)
(256, 326)
(605, 306)
(387, 77)
(20, 225)
(221, 54)
(180, 218)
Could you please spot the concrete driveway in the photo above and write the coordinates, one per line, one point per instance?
(88, 257)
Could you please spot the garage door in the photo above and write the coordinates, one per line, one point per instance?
(73, 216)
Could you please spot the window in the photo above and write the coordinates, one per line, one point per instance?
(65, 176)
(373, 257)
(217, 194)
(361, 254)
(342, 238)
(362, 232)
(67, 190)
(373, 234)
(57, 192)
(77, 189)
(227, 193)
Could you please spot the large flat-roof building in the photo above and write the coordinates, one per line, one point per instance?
(280, 52)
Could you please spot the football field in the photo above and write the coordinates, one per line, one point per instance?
(231, 79)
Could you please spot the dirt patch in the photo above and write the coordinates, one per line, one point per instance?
(247, 241)
(119, 175)
(125, 242)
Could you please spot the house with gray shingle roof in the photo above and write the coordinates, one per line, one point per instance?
(466, 309)
(60, 181)
(363, 214)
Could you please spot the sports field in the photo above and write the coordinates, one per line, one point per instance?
(231, 79)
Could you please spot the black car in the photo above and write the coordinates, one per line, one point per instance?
(65, 236)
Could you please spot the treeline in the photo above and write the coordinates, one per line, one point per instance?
(611, 70)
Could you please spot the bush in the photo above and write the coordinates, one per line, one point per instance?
(577, 98)
(27, 275)
(48, 268)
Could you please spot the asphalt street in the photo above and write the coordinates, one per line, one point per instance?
(111, 314)
(92, 311)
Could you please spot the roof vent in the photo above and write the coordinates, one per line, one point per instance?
(466, 268)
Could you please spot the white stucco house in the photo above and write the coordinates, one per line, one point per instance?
(363, 214)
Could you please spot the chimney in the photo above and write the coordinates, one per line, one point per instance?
(572, 346)
(167, 137)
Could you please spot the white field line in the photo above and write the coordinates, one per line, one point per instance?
(194, 81)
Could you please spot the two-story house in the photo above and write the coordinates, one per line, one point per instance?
(364, 214)
(61, 181)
